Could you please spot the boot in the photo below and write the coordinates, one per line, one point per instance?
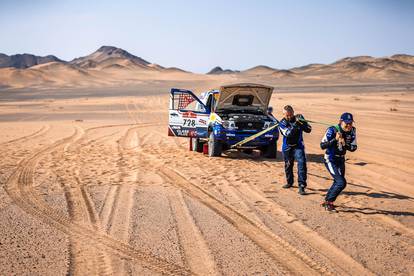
(329, 206)
(302, 191)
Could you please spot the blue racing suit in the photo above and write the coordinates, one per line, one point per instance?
(294, 148)
(335, 158)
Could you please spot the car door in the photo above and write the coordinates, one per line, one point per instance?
(188, 116)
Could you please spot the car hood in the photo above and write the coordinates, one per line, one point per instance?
(230, 95)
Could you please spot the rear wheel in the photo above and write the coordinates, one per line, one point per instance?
(270, 151)
(214, 147)
(197, 145)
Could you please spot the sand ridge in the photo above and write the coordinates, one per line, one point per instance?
(100, 179)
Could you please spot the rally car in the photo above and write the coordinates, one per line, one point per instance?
(224, 117)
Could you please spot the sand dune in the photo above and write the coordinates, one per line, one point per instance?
(259, 70)
(111, 66)
(90, 183)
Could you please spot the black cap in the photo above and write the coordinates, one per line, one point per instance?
(347, 117)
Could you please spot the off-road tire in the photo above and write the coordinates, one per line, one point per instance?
(214, 147)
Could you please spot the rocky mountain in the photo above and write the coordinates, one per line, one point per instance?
(22, 61)
(108, 56)
(112, 66)
(218, 71)
(362, 67)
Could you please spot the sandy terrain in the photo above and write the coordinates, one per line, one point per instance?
(90, 184)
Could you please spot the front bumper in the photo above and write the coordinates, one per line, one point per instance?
(231, 137)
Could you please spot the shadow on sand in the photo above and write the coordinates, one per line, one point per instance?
(372, 211)
(313, 158)
(380, 194)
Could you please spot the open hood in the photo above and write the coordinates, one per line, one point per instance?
(247, 96)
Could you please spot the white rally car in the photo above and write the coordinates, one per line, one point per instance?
(224, 117)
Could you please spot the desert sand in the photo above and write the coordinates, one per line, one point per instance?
(90, 183)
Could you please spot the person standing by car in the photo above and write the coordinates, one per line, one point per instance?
(337, 141)
(293, 147)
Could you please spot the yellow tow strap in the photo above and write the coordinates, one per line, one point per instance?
(254, 136)
(250, 138)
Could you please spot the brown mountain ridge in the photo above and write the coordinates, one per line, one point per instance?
(111, 66)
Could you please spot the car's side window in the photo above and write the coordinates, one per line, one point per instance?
(186, 101)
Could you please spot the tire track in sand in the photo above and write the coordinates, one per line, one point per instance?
(197, 254)
(289, 260)
(383, 219)
(118, 203)
(19, 186)
(337, 261)
(81, 209)
(195, 251)
(43, 130)
(127, 145)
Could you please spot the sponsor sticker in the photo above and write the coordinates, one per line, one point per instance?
(189, 114)
(182, 132)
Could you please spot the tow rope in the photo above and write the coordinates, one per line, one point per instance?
(319, 123)
(254, 136)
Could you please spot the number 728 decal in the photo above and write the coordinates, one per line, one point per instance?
(189, 122)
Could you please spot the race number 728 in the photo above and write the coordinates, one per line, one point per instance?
(189, 122)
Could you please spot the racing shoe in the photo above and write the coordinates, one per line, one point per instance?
(329, 206)
(302, 191)
(287, 186)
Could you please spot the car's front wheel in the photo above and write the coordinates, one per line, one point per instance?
(214, 147)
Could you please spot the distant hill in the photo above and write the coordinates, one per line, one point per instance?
(112, 66)
(107, 66)
(107, 56)
(218, 70)
(260, 70)
(361, 67)
(404, 58)
(22, 61)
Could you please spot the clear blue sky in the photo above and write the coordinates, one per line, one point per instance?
(197, 35)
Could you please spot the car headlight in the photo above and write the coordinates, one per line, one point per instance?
(228, 124)
(266, 125)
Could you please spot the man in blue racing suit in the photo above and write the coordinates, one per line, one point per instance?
(292, 128)
(337, 141)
